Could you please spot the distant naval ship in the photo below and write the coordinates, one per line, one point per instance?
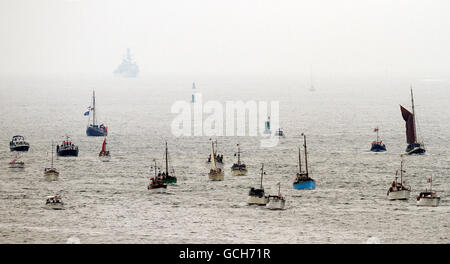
(128, 68)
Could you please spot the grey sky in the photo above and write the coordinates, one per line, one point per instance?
(226, 36)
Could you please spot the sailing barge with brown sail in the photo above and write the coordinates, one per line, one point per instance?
(414, 147)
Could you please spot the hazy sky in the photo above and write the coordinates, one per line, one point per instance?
(226, 36)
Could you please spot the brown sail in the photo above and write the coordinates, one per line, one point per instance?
(410, 131)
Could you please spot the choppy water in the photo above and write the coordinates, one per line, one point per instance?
(109, 202)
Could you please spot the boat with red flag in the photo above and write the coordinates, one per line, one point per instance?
(377, 145)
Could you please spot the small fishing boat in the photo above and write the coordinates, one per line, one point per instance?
(215, 174)
(51, 173)
(16, 163)
(168, 178)
(67, 148)
(18, 143)
(279, 133)
(414, 147)
(302, 180)
(267, 126)
(157, 184)
(276, 202)
(239, 168)
(217, 157)
(377, 145)
(93, 129)
(104, 153)
(54, 202)
(428, 197)
(398, 191)
(258, 196)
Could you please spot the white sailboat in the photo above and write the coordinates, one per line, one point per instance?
(51, 173)
(398, 191)
(215, 174)
(428, 198)
(258, 196)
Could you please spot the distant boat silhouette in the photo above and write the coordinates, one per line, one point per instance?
(128, 68)
(377, 145)
(414, 147)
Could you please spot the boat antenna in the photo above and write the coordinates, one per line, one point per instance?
(299, 162)
(239, 155)
(93, 107)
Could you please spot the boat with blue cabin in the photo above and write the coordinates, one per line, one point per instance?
(302, 180)
(93, 129)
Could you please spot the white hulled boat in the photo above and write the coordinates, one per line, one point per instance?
(398, 191)
(258, 196)
(428, 198)
(276, 202)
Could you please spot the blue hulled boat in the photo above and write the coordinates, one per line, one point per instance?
(302, 180)
(378, 145)
(93, 129)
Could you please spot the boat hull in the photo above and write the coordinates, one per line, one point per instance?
(429, 201)
(216, 176)
(239, 172)
(257, 200)
(105, 158)
(19, 148)
(55, 206)
(276, 204)
(399, 195)
(158, 189)
(68, 152)
(378, 148)
(96, 131)
(18, 165)
(51, 175)
(415, 149)
(171, 180)
(305, 185)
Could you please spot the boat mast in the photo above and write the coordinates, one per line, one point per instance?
(213, 160)
(414, 116)
(93, 107)
(262, 172)
(401, 172)
(52, 154)
(306, 154)
(155, 167)
(299, 162)
(378, 138)
(167, 162)
(239, 155)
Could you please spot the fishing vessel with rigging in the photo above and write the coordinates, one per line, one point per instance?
(157, 184)
(302, 180)
(428, 197)
(398, 191)
(168, 178)
(217, 157)
(377, 145)
(276, 202)
(51, 173)
(238, 168)
(257, 196)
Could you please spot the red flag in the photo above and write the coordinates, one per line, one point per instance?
(375, 130)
